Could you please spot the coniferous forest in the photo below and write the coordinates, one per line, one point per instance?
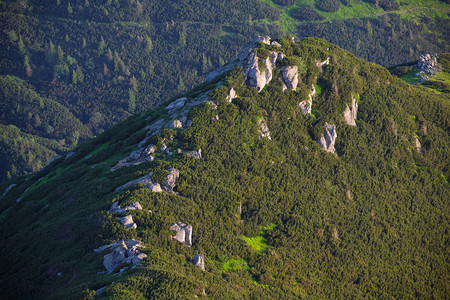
(275, 214)
(71, 69)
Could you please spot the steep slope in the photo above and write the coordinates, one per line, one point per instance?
(293, 172)
(107, 60)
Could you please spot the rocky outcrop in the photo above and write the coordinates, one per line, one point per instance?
(258, 71)
(176, 105)
(136, 157)
(306, 105)
(351, 113)
(144, 180)
(320, 64)
(184, 233)
(199, 261)
(127, 222)
(195, 154)
(328, 139)
(231, 94)
(264, 130)
(115, 208)
(418, 146)
(289, 76)
(169, 184)
(122, 253)
(428, 65)
(175, 124)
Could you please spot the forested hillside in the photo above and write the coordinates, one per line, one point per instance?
(298, 171)
(104, 61)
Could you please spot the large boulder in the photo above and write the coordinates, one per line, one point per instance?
(231, 94)
(127, 222)
(169, 184)
(351, 113)
(306, 105)
(184, 233)
(122, 253)
(289, 75)
(264, 130)
(328, 139)
(144, 180)
(195, 154)
(115, 208)
(199, 261)
(176, 105)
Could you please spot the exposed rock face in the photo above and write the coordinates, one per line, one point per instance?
(175, 124)
(258, 71)
(275, 43)
(144, 180)
(428, 65)
(351, 113)
(150, 149)
(199, 261)
(289, 75)
(195, 154)
(176, 105)
(320, 64)
(122, 252)
(306, 105)
(231, 94)
(127, 222)
(184, 233)
(264, 130)
(329, 138)
(115, 208)
(156, 127)
(418, 146)
(169, 184)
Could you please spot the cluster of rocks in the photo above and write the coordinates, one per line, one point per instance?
(428, 64)
(126, 221)
(328, 139)
(115, 208)
(184, 233)
(351, 112)
(122, 253)
(167, 186)
(258, 72)
(136, 157)
(264, 130)
(184, 236)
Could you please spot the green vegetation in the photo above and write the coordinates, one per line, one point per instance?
(272, 218)
(104, 61)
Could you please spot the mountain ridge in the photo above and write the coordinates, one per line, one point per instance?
(271, 211)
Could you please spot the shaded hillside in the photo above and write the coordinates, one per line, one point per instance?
(105, 61)
(303, 172)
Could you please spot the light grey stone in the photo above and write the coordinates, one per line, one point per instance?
(184, 233)
(328, 139)
(350, 114)
(199, 261)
